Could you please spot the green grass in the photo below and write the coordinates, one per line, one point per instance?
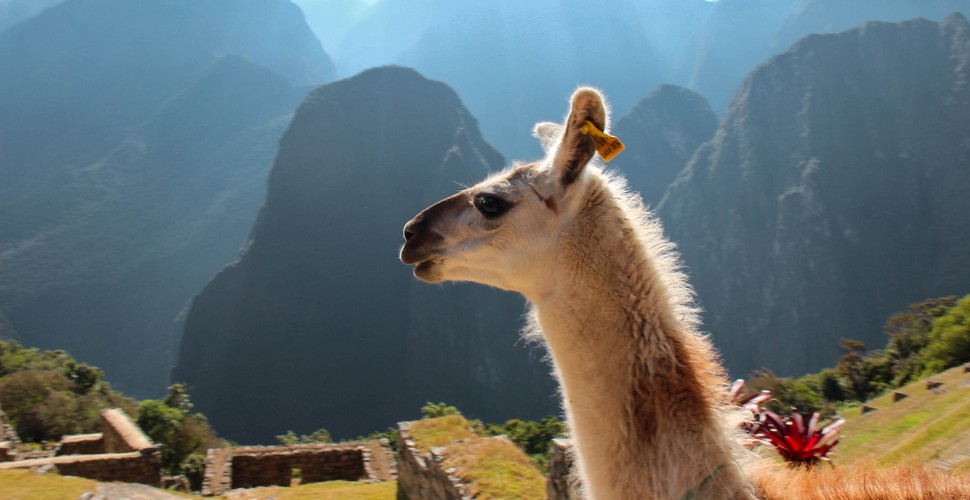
(491, 468)
(442, 431)
(495, 468)
(926, 427)
(330, 490)
(19, 484)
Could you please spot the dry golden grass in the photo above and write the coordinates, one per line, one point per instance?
(494, 468)
(443, 431)
(331, 490)
(865, 482)
(20, 484)
(491, 468)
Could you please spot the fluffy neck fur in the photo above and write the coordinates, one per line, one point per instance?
(642, 389)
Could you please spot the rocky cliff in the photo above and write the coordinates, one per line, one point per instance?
(735, 36)
(661, 134)
(318, 324)
(835, 191)
(135, 140)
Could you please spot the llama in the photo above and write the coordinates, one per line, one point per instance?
(645, 397)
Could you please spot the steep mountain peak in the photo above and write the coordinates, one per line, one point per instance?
(661, 133)
(834, 192)
(319, 295)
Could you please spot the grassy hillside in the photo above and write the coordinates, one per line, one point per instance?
(931, 427)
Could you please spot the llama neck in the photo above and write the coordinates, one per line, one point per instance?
(640, 387)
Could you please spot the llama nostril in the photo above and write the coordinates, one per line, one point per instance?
(414, 226)
(411, 228)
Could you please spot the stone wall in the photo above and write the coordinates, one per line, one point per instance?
(7, 432)
(561, 484)
(275, 469)
(122, 435)
(132, 467)
(248, 467)
(421, 476)
(121, 453)
(81, 444)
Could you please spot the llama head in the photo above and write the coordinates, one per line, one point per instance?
(504, 231)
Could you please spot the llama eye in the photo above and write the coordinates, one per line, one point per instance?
(491, 206)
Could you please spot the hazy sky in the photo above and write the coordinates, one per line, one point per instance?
(331, 19)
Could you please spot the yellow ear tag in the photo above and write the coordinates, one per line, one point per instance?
(607, 145)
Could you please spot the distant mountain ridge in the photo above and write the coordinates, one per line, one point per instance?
(15, 11)
(527, 54)
(318, 324)
(835, 189)
(732, 37)
(135, 139)
(661, 133)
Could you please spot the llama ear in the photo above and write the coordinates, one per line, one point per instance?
(548, 134)
(577, 148)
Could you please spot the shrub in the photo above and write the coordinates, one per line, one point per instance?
(316, 437)
(949, 340)
(184, 436)
(47, 394)
(435, 410)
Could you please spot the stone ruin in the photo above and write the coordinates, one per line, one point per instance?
(561, 483)
(254, 466)
(422, 475)
(433, 474)
(121, 452)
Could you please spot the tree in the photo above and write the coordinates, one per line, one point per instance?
(949, 340)
(435, 410)
(534, 437)
(184, 436)
(178, 398)
(854, 369)
(316, 437)
(831, 387)
(84, 377)
(163, 424)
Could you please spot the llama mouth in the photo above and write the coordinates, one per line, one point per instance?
(418, 250)
(429, 270)
(426, 265)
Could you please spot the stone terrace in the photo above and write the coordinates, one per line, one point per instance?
(250, 467)
(121, 452)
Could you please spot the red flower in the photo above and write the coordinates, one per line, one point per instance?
(797, 442)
